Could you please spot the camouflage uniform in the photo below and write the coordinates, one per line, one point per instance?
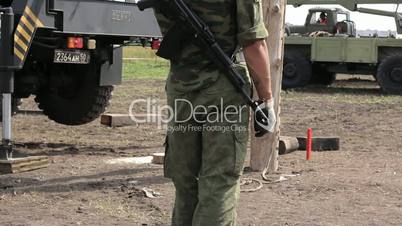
(204, 161)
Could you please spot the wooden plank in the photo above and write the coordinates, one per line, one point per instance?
(288, 145)
(321, 143)
(120, 120)
(32, 167)
(19, 165)
(10, 169)
(264, 151)
(24, 159)
(23, 164)
(158, 158)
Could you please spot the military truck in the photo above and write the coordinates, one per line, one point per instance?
(67, 53)
(315, 53)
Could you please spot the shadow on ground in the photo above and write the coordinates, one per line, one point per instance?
(105, 180)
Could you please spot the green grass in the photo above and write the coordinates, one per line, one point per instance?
(147, 66)
(145, 69)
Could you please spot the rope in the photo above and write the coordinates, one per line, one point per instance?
(260, 182)
(265, 180)
(249, 181)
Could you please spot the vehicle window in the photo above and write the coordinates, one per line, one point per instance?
(313, 18)
(320, 18)
(342, 17)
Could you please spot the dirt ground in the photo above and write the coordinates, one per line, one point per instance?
(359, 185)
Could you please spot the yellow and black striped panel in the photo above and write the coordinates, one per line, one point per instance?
(24, 34)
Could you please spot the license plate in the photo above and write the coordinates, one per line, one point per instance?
(71, 56)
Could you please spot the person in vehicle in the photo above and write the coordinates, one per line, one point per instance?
(323, 19)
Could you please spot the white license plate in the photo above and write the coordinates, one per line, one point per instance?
(71, 56)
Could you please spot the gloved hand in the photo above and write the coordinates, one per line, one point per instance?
(264, 118)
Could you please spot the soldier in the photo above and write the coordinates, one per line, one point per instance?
(205, 158)
(323, 19)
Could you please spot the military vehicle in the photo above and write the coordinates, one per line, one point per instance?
(317, 52)
(66, 53)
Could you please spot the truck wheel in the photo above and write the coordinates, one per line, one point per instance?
(322, 76)
(297, 70)
(389, 74)
(78, 101)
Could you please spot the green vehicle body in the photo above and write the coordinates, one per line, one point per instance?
(345, 49)
(315, 59)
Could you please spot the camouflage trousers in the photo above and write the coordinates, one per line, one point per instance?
(205, 157)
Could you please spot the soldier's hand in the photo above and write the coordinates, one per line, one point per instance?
(264, 118)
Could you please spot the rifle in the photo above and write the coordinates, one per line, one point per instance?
(188, 25)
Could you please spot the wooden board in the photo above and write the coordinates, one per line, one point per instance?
(321, 143)
(288, 145)
(120, 120)
(19, 165)
(158, 158)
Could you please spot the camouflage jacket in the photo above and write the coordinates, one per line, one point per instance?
(233, 22)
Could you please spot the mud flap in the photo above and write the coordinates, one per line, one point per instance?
(112, 70)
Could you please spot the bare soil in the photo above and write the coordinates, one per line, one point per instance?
(359, 185)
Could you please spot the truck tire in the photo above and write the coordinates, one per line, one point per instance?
(322, 76)
(297, 70)
(82, 103)
(389, 74)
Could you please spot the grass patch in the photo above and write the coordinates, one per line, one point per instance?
(145, 69)
(148, 65)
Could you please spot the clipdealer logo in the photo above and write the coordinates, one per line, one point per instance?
(193, 118)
